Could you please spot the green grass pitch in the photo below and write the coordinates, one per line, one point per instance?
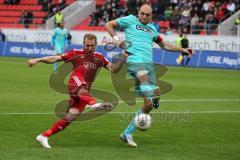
(211, 95)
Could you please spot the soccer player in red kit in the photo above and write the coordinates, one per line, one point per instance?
(85, 62)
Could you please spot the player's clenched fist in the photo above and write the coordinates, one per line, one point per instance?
(32, 62)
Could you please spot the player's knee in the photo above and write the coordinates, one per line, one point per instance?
(72, 114)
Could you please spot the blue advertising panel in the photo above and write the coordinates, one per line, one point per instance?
(219, 59)
(215, 59)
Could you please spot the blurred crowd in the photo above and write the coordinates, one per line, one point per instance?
(50, 7)
(194, 15)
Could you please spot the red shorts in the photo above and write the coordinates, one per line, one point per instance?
(74, 85)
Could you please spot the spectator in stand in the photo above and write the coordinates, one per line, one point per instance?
(210, 23)
(45, 5)
(154, 4)
(131, 4)
(195, 24)
(61, 4)
(224, 6)
(175, 18)
(174, 3)
(206, 6)
(156, 25)
(168, 13)
(11, 2)
(185, 18)
(114, 16)
(2, 36)
(40, 2)
(28, 19)
(218, 14)
(21, 19)
(231, 7)
(49, 8)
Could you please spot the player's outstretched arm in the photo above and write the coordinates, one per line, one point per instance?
(48, 60)
(116, 67)
(170, 47)
(110, 27)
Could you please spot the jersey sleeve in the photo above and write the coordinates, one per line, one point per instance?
(157, 38)
(105, 61)
(124, 22)
(66, 57)
(53, 36)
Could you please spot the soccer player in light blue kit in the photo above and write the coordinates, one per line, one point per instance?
(59, 41)
(140, 35)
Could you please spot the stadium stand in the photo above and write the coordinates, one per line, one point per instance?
(28, 13)
(198, 16)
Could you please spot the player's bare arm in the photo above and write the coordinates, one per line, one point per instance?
(110, 27)
(48, 60)
(116, 67)
(170, 47)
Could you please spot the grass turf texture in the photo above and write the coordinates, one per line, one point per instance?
(210, 135)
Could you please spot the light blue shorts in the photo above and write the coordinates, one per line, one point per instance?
(148, 88)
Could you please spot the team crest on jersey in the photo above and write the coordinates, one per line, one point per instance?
(89, 65)
(144, 29)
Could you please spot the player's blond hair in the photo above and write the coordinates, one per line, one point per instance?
(89, 37)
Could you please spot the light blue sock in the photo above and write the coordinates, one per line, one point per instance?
(55, 67)
(147, 90)
(132, 127)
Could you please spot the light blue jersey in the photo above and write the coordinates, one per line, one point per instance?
(140, 38)
(59, 40)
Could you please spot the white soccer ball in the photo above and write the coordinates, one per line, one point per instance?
(143, 121)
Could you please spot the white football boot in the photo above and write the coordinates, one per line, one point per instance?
(127, 138)
(102, 106)
(43, 141)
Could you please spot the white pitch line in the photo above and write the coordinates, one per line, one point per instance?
(195, 112)
(201, 100)
(191, 100)
(165, 100)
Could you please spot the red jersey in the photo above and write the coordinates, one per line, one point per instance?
(85, 65)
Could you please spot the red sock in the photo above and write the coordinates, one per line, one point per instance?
(57, 127)
(86, 98)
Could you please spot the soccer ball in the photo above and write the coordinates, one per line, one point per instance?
(143, 121)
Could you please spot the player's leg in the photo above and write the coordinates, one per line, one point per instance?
(73, 111)
(58, 50)
(179, 59)
(182, 62)
(148, 91)
(188, 59)
(84, 96)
